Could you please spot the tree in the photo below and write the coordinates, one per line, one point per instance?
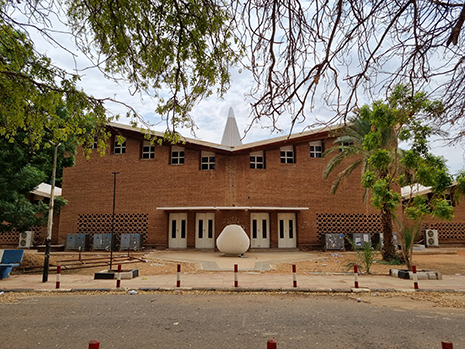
(178, 52)
(373, 140)
(403, 116)
(344, 50)
(349, 145)
(22, 170)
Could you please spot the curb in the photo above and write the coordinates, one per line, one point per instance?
(235, 290)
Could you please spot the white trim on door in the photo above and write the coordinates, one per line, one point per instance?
(177, 230)
(287, 230)
(205, 230)
(260, 230)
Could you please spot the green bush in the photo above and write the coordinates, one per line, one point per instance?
(366, 255)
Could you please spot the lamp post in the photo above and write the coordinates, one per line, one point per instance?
(50, 216)
(113, 219)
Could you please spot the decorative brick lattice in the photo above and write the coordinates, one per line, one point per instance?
(347, 224)
(135, 223)
(454, 232)
(12, 237)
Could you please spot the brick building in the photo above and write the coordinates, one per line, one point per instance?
(183, 195)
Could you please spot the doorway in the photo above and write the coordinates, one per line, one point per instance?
(260, 230)
(205, 230)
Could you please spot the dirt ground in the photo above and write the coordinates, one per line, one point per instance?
(451, 263)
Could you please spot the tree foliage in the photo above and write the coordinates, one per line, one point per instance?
(404, 117)
(179, 52)
(23, 168)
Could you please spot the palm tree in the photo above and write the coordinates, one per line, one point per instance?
(349, 144)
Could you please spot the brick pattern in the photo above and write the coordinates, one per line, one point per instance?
(124, 224)
(12, 237)
(347, 224)
(146, 186)
(453, 232)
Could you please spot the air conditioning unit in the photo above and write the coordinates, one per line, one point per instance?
(333, 242)
(360, 239)
(431, 238)
(131, 242)
(26, 239)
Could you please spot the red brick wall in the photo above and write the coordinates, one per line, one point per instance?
(144, 185)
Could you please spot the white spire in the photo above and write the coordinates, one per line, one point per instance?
(231, 136)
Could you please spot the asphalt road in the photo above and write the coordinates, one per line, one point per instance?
(222, 321)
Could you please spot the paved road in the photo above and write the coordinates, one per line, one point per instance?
(222, 321)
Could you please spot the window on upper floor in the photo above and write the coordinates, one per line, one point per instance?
(316, 149)
(287, 154)
(207, 160)
(257, 160)
(345, 144)
(177, 155)
(450, 199)
(94, 143)
(119, 148)
(148, 150)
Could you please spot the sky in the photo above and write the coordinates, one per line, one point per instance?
(210, 114)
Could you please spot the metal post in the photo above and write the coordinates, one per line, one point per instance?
(118, 277)
(57, 286)
(272, 344)
(415, 277)
(113, 219)
(236, 280)
(50, 216)
(94, 344)
(447, 345)
(178, 276)
(356, 276)
(294, 275)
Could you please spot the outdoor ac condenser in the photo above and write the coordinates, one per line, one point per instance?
(77, 242)
(26, 239)
(103, 242)
(360, 239)
(131, 242)
(431, 238)
(334, 242)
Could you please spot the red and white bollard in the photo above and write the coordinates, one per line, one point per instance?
(57, 286)
(356, 276)
(272, 344)
(178, 276)
(94, 344)
(236, 279)
(294, 276)
(447, 345)
(415, 277)
(118, 277)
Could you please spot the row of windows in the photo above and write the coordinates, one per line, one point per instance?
(207, 160)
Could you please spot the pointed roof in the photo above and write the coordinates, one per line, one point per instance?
(231, 136)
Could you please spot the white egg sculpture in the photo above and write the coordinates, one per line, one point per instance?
(233, 240)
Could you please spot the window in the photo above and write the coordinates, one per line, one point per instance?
(119, 148)
(287, 154)
(177, 156)
(94, 143)
(207, 160)
(257, 160)
(148, 150)
(449, 199)
(316, 149)
(345, 144)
